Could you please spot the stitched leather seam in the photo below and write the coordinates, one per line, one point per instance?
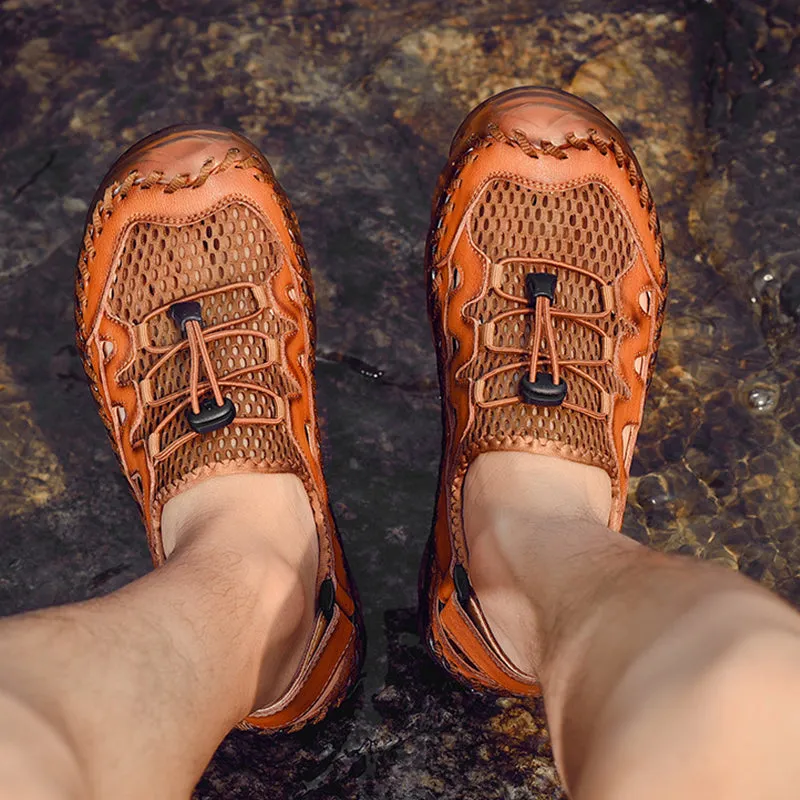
(603, 146)
(629, 330)
(113, 196)
(117, 191)
(164, 219)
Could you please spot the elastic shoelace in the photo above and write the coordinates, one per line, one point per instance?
(203, 417)
(537, 386)
(213, 411)
(542, 388)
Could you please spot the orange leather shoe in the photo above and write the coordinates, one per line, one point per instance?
(547, 289)
(195, 317)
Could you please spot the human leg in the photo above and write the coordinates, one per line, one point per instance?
(547, 279)
(195, 317)
(132, 693)
(662, 676)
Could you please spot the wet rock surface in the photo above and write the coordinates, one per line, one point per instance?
(354, 105)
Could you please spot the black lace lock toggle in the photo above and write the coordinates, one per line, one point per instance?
(187, 311)
(327, 598)
(540, 284)
(542, 391)
(211, 417)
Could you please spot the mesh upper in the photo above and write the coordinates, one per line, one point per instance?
(582, 227)
(161, 264)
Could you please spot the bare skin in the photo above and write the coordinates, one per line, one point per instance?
(662, 676)
(128, 696)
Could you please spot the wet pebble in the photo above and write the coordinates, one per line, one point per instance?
(763, 398)
(652, 493)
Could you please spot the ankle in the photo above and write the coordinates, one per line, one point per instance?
(288, 624)
(509, 487)
(524, 516)
(266, 509)
(259, 532)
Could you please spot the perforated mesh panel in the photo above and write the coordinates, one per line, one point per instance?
(580, 227)
(162, 264)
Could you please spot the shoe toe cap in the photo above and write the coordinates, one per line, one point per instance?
(542, 115)
(181, 150)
